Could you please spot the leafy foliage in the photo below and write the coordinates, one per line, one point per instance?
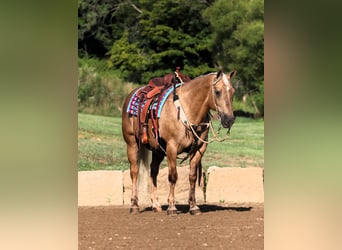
(141, 39)
(100, 23)
(257, 100)
(128, 57)
(170, 34)
(238, 39)
(100, 91)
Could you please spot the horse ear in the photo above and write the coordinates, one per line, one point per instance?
(219, 73)
(232, 74)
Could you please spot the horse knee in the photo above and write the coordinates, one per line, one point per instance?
(134, 172)
(173, 176)
(154, 174)
(192, 178)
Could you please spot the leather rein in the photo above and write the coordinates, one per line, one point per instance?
(209, 124)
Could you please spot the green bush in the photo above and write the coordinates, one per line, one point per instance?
(257, 100)
(84, 92)
(244, 106)
(100, 91)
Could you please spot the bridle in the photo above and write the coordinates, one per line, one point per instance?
(182, 116)
(215, 81)
(209, 124)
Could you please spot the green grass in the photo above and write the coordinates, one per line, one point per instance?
(101, 145)
(244, 147)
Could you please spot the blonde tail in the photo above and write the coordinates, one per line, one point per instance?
(144, 183)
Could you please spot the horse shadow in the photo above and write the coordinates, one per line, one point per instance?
(205, 208)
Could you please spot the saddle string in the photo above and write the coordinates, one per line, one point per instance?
(179, 78)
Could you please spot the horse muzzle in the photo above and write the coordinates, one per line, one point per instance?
(227, 121)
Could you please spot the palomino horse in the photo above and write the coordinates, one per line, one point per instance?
(208, 92)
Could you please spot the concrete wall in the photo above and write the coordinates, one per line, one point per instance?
(229, 185)
(100, 188)
(235, 185)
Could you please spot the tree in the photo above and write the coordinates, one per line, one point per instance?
(147, 38)
(101, 22)
(170, 33)
(238, 39)
(129, 58)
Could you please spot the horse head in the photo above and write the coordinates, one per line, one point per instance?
(223, 93)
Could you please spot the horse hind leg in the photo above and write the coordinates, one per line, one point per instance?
(132, 155)
(156, 160)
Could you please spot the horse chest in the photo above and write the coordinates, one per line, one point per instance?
(189, 141)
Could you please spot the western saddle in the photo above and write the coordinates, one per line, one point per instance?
(149, 95)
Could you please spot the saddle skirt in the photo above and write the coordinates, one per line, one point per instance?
(148, 111)
(147, 102)
(156, 107)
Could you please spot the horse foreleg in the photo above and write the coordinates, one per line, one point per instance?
(195, 165)
(172, 164)
(132, 155)
(156, 160)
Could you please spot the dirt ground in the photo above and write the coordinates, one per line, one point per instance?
(219, 226)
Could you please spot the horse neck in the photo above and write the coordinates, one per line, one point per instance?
(196, 97)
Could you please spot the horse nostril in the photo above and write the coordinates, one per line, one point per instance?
(231, 122)
(227, 121)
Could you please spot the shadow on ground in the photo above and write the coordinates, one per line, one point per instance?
(204, 208)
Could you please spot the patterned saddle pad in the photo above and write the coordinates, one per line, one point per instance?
(156, 106)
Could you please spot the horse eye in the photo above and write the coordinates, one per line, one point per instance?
(217, 93)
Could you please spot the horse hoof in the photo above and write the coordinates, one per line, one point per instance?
(172, 212)
(134, 210)
(195, 211)
(156, 209)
